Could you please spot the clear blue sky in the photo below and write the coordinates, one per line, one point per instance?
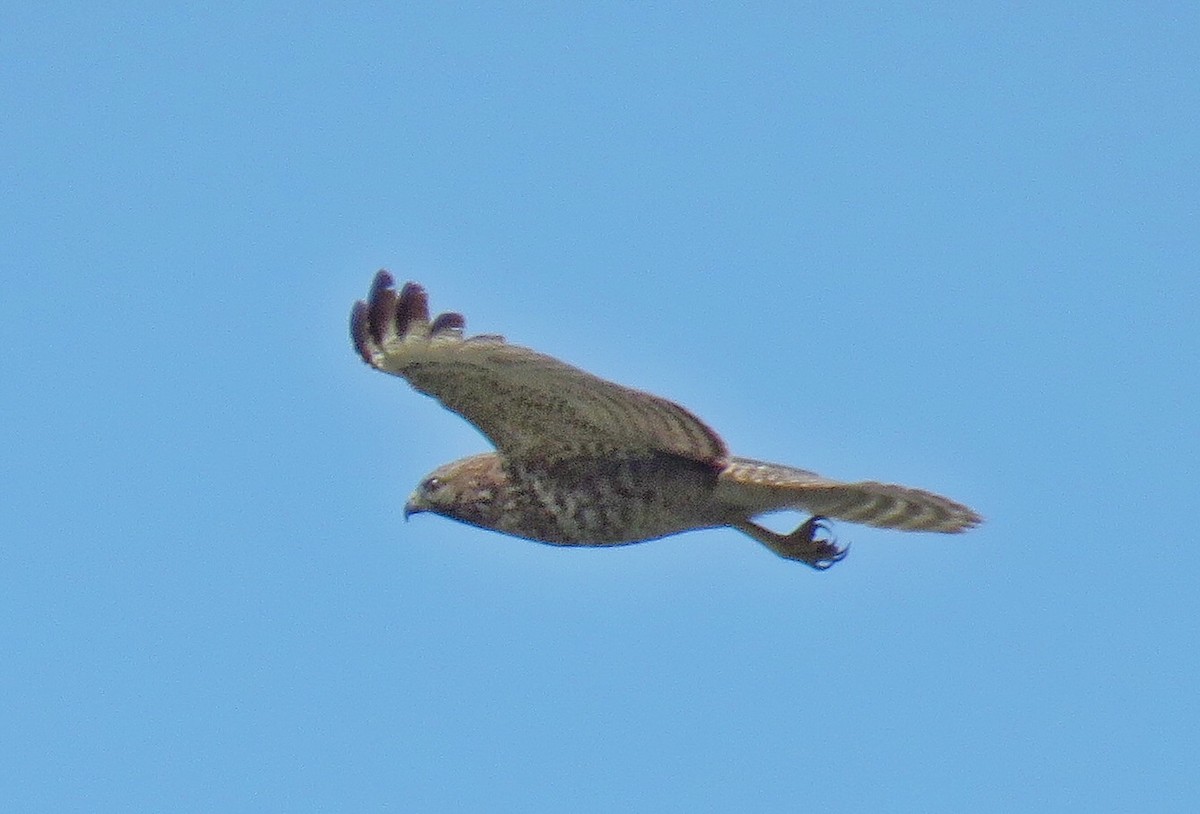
(954, 247)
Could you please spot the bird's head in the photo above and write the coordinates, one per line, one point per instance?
(470, 490)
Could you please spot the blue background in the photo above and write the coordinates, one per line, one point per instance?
(945, 245)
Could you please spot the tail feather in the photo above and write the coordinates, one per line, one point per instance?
(760, 487)
(886, 505)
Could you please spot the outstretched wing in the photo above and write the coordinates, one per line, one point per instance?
(758, 487)
(531, 406)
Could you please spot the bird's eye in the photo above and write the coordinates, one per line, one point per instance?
(432, 484)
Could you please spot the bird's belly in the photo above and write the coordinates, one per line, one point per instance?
(624, 502)
(584, 524)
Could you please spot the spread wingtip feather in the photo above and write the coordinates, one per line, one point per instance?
(360, 330)
(411, 308)
(387, 314)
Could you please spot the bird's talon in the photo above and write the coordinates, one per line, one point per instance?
(819, 553)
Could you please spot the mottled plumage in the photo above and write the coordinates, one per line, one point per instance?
(583, 461)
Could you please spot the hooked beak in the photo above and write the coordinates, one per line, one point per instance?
(413, 506)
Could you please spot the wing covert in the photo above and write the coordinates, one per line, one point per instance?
(528, 404)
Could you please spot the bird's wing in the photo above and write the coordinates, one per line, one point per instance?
(758, 487)
(531, 406)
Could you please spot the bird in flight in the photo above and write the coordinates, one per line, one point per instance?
(581, 461)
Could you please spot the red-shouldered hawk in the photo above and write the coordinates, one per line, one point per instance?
(583, 461)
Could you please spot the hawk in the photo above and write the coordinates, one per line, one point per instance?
(581, 461)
